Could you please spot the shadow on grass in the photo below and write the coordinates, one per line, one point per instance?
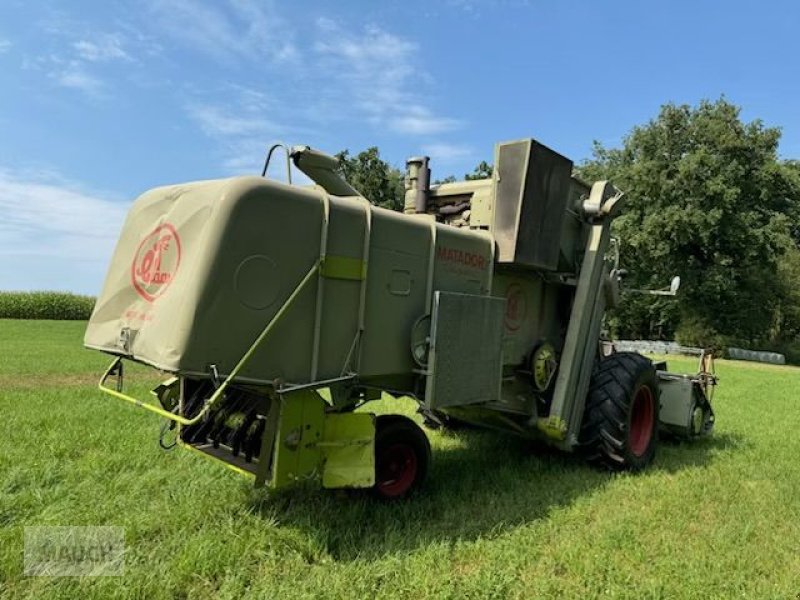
(675, 454)
(482, 486)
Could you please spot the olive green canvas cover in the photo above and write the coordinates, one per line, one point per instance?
(201, 268)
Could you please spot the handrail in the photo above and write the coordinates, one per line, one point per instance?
(219, 391)
(288, 161)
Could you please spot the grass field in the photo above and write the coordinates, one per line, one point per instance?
(498, 518)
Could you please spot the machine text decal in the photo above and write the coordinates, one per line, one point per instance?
(461, 257)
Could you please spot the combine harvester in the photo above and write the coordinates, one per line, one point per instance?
(278, 310)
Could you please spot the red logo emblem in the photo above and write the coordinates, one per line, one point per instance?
(156, 262)
(516, 307)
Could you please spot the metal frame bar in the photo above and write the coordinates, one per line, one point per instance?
(323, 252)
(431, 268)
(569, 396)
(362, 296)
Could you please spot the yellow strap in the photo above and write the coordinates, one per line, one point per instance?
(343, 267)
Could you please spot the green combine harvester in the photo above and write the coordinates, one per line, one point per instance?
(279, 310)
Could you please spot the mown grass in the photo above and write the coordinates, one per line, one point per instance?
(61, 306)
(498, 517)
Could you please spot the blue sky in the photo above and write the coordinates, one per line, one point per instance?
(102, 100)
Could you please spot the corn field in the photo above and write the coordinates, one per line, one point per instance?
(60, 306)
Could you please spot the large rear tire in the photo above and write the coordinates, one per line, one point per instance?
(620, 421)
(402, 456)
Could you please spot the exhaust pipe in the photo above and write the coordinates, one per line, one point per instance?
(418, 184)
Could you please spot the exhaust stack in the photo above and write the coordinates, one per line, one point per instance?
(418, 184)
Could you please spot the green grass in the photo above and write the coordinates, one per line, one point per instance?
(498, 518)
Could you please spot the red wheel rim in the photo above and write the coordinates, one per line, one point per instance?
(397, 469)
(642, 418)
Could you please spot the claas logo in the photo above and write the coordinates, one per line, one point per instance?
(156, 262)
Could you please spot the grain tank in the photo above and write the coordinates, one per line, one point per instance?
(278, 310)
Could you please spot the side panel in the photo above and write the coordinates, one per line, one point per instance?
(685, 411)
(396, 294)
(465, 359)
(297, 454)
(463, 261)
(535, 312)
(348, 450)
(410, 258)
(256, 265)
(676, 404)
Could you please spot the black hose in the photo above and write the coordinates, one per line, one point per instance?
(454, 209)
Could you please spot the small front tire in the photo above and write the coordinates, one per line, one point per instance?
(402, 456)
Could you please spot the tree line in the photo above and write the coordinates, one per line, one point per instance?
(708, 198)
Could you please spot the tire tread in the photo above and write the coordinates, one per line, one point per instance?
(604, 430)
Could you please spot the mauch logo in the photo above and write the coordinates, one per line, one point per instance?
(156, 262)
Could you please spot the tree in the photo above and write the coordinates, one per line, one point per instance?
(377, 180)
(483, 171)
(383, 184)
(708, 199)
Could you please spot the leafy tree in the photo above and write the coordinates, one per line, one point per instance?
(377, 180)
(483, 171)
(381, 183)
(708, 199)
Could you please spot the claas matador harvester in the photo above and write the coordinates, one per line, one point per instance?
(277, 311)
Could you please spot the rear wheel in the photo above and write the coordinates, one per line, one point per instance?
(402, 456)
(620, 422)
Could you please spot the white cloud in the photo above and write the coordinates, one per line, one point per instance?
(5, 46)
(469, 6)
(53, 234)
(240, 127)
(215, 122)
(477, 7)
(76, 54)
(77, 67)
(367, 76)
(375, 46)
(418, 120)
(381, 71)
(105, 48)
(74, 75)
(243, 112)
(236, 28)
(447, 154)
(43, 216)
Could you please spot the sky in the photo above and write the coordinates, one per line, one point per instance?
(102, 100)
